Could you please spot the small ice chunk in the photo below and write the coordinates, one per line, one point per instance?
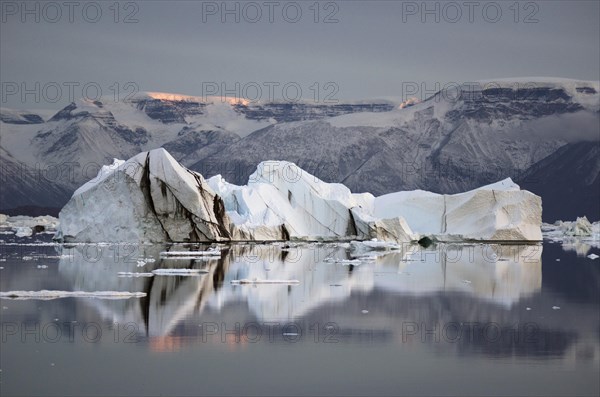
(263, 281)
(348, 261)
(135, 274)
(209, 252)
(23, 231)
(53, 294)
(593, 256)
(555, 307)
(364, 311)
(466, 281)
(178, 272)
(527, 308)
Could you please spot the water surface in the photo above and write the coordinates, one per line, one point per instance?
(447, 320)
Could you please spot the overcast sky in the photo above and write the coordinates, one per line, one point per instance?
(370, 50)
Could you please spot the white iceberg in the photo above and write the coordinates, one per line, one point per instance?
(148, 198)
(496, 212)
(152, 198)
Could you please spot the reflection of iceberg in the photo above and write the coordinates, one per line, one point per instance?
(429, 288)
(169, 298)
(319, 282)
(499, 274)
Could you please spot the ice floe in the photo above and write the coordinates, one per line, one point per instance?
(54, 294)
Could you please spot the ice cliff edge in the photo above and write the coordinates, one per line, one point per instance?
(153, 198)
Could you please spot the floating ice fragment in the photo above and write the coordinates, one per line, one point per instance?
(555, 307)
(593, 256)
(466, 281)
(53, 294)
(178, 272)
(209, 252)
(364, 311)
(134, 274)
(263, 281)
(527, 308)
(23, 231)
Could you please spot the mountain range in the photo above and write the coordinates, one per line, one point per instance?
(541, 132)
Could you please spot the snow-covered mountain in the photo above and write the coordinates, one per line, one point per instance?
(456, 140)
(75, 142)
(19, 181)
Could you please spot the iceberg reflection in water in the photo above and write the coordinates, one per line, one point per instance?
(389, 314)
(498, 274)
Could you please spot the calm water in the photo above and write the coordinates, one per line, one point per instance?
(449, 320)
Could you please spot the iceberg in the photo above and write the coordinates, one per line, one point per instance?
(152, 198)
(580, 235)
(497, 212)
